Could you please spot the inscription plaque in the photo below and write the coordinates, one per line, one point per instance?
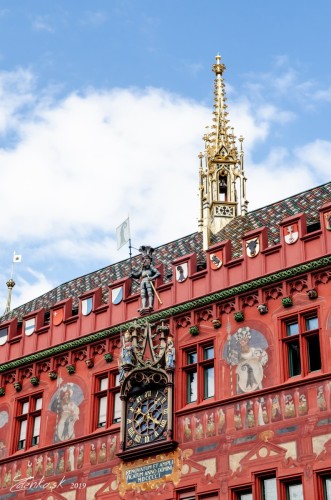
(150, 472)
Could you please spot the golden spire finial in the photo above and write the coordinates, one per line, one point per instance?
(218, 68)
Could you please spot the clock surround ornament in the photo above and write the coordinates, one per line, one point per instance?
(147, 365)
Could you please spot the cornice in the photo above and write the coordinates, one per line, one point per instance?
(171, 311)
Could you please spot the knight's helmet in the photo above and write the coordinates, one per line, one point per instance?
(146, 251)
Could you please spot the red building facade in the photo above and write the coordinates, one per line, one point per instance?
(221, 390)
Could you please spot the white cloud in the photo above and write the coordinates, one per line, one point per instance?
(94, 18)
(26, 289)
(42, 23)
(322, 95)
(15, 94)
(286, 172)
(82, 164)
(254, 128)
(285, 81)
(316, 157)
(281, 174)
(283, 84)
(37, 284)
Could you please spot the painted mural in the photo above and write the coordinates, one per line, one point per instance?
(47, 470)
(256, 413)
(246, 350)
(65, 404)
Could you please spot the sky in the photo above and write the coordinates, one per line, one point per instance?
(103, 106)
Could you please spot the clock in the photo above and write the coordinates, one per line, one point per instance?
(147, 417)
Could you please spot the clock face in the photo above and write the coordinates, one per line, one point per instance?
(147, 417)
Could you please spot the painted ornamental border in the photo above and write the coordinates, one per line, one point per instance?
(172, 311)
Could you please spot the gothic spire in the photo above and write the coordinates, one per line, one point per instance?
(223, 169)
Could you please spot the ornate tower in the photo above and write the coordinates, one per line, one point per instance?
(221, 168)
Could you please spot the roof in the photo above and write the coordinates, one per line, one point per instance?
(270, 216)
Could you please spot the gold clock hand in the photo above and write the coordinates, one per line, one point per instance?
(155, 403)
(153, 419)
(138, 410)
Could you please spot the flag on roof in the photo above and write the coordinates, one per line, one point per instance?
(17, 258)
(123, 233)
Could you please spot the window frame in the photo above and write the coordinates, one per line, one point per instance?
(200, 367)
(300, 341)
(238, 491)
(186, 494)
(324, 491)
(321, 481)
(32, 414)
(256, 487)
(110, 393)
(286, 483)
(260, 478)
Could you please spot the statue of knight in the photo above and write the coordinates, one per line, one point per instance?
(147, 275)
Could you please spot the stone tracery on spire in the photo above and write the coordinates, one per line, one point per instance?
(222, 135)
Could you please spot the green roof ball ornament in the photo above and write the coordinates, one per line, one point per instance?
(108, 357)
(262, 308)
(70, 369)
(194, 330)
(312, 294)
(287, 302)
(52, 375)
(17, 386)
(217, 323)
(34, 381)
(239, 316)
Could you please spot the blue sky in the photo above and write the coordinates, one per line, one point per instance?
(103, 105)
